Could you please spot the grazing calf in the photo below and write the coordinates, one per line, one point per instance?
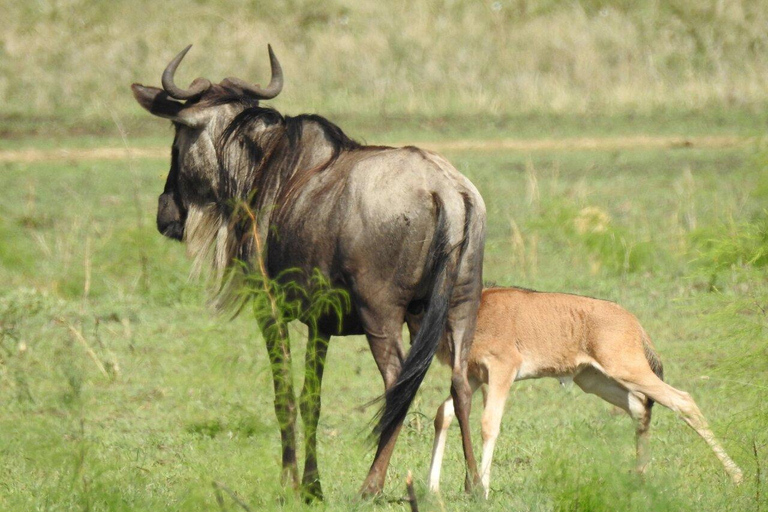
(523, 334)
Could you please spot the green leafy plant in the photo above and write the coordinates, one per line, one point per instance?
(290, 295)
(591, 229)
(732, 244)
(277, 301)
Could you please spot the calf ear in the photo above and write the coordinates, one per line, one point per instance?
(157, 102)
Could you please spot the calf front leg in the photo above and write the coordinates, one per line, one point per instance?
(493, 410)
(279, 350)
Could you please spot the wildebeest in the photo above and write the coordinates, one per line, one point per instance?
(400, 229)
(523, 334)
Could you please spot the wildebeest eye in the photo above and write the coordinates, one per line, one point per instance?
(196, 188)
(416, 307)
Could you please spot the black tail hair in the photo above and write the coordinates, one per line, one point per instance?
(398, 398)
(654, 361)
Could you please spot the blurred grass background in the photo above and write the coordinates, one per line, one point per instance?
(67, 64)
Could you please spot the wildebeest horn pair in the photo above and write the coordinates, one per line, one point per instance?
(201, 85)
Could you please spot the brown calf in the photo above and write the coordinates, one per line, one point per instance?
(522, 334)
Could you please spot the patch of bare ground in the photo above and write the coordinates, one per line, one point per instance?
(627, 143)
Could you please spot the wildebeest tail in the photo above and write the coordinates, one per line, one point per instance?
(398, 398)
(653, 360)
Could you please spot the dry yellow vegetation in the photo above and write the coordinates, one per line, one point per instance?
(73, 60)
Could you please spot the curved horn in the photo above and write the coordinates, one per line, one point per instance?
(262, 93)
(198, 86)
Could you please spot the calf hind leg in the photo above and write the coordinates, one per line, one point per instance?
(593, 381)
(641, 412)
(682, 403)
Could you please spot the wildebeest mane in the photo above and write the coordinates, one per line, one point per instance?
(262, 161)
(338, 139)
(272, 154)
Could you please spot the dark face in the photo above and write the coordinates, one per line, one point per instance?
(171, 213)
(193, 177)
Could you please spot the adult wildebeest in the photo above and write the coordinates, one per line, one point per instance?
(399, 229)
(522, 334)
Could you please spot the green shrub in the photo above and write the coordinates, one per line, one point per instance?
(731, 244)
(592, 232)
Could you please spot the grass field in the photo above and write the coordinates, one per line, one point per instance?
(620, 148)
(121, 391)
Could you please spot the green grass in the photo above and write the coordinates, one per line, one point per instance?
(186, 397)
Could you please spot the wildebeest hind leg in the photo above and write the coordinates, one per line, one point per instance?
(461, 391)
(317, 349)
(279, 350)
(385, 340)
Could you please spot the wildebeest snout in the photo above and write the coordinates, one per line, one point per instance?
(170, 220)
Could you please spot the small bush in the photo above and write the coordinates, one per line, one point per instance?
(591, 229)
(732, 244)
(206, 428)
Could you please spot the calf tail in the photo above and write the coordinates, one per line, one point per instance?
(653, 360)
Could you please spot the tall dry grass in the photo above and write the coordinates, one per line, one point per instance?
(73, 60)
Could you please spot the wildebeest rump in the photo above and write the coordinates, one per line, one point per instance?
(399, 229)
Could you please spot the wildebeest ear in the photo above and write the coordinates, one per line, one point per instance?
(157, 102)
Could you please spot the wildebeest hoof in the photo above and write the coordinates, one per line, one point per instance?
(312, 492)
(370, 491)
(474, 486)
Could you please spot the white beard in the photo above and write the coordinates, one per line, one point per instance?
(212, 246)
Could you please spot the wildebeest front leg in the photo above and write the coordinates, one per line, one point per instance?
(317, 349)
(279, 350)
